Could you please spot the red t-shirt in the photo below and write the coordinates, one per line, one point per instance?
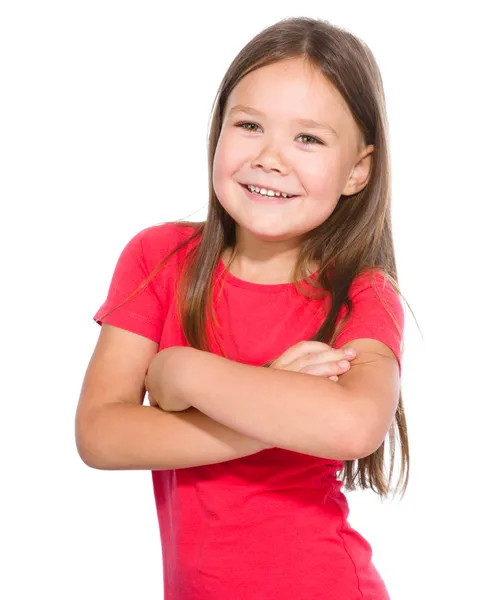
(272, 525)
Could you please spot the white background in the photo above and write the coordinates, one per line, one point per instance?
(104, 111)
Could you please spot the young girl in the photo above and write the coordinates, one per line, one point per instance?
(252, 417)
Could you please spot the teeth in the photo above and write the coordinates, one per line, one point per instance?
(265, 192)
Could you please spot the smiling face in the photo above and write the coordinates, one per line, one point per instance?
(264, 144)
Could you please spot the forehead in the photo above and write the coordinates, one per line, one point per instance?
(292, 89)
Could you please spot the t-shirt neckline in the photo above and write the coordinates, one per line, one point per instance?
(269, 288)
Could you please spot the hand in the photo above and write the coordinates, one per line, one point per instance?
(152, 401)
(161, 372)
(315, 358)
(170, 404)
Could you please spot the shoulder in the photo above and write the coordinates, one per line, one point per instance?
(374, 284)
(153, 243)
(372, 278)
(373, 294)
(164, 236)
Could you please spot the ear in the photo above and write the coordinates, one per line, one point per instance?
(360, 173)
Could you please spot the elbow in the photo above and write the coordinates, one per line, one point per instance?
(88, 453)
(361, 432)
(352, 451)
(344, 446)
(364, 446)
(86, 444)
(354, 441)
(351, 438)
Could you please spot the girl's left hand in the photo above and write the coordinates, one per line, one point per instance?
(162, 371)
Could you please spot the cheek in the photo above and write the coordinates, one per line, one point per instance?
(229, 160)
(219, 173)
(225, 159)
(223, 169)
(321, 177)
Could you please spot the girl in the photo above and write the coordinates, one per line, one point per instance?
(295, 264)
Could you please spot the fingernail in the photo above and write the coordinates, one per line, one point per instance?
(343, 363)
(349, 351)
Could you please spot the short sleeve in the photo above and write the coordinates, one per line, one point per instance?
(379, 316)
(143, 313)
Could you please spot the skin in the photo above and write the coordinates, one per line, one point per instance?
(274, 151)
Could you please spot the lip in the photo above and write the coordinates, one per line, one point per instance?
(266, 199)
(267, 187)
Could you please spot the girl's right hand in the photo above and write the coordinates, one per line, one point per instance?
(315, 358)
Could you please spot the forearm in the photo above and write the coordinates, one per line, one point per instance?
(129, 436)
(284, 409)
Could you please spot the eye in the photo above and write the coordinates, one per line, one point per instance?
(242, 126)
(309, 137)
(316, 141)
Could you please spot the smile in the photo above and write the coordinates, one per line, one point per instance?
(264, 198)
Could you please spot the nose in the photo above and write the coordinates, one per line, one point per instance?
(270, 160)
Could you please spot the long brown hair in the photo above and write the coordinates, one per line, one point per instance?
(356, 237)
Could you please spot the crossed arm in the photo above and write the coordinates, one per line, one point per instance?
(285, 409)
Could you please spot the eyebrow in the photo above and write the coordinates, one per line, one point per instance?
(310, 123)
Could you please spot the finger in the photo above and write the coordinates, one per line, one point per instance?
(299, 350)
(329, 356)
(311, 346)
(326, 369)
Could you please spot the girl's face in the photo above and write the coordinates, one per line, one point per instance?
(262, 143)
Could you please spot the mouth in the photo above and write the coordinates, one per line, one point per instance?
(266, 198)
